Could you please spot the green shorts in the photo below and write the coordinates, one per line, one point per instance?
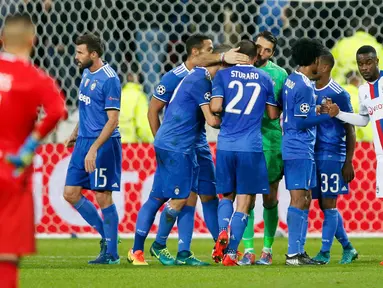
(274, 164)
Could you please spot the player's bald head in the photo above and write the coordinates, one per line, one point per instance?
(18, 30)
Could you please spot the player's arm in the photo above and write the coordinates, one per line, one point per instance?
(218, 93)
(360, 119)
(211, 119)
(302, 107)
(347, 169)
(272, 109)
(72, 138)
(52, 100)
(230, 57)
(112, 93)
(155, 108)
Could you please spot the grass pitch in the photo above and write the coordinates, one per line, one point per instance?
(63, 263)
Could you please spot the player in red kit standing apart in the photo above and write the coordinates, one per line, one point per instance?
(23, 89)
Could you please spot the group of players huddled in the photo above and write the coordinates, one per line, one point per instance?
(245, 100)
(239, 90)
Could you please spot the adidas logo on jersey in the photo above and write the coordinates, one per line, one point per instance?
(84, 98)
(115, 185)
(344, 188)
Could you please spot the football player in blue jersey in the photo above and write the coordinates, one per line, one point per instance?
(96, 160)
(299, 128)
(175, 143)
(240, 94)
(199, 50)
(334, 150)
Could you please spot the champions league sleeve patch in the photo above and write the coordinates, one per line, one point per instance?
(160, 89)
(304, 108)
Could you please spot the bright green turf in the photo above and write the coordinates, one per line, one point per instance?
(63, 263)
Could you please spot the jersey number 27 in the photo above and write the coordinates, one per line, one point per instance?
(230, 106)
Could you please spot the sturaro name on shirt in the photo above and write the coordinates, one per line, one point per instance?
(247, 76)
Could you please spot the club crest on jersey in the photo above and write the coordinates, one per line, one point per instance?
(305, 108)
(177, 191)
(94, 84)
(207, 96)
(86, 82)
(160, 89)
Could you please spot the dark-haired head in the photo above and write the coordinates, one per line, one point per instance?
(325, 65)
(305, 53)
(266, 43)
(197, 44)
(89, 47)
(248, 48)
(368, 63)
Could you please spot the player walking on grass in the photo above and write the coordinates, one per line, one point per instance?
(96, 159)
(240, 94)
(272, 142)
(371, 106)
(299, 120)
(199, 50)
(175, 144)
(334, 150)
(23, 89)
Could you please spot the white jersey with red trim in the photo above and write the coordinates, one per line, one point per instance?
(371, 104)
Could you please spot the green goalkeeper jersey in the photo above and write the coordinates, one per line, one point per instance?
(271, 129)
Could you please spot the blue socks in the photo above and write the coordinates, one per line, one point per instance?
(295, 223)
(89, 212)
(305, 227)
(330, 225)
(185, 224)
(144, 222)
(341, 234)
(237, 227)
(168, 218)
(225, 211)
(111, 229)
(210, 214)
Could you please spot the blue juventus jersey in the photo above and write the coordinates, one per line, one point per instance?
(166, 87)
(245, 91)
(298, 101)
(331, 135)
(184, 121)
(99, 91)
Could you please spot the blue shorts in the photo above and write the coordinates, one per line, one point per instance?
(107, 176)
(330, 181)
(206, 173)
(241, 172)
(174, 175)
(300, 174)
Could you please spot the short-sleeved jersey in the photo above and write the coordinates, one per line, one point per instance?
(298, 101)
(99, 91)
(184, 120)
(23, 90)
(271, 129)
(166, 87)
(371, 104)
(331, 135)
(245, 91)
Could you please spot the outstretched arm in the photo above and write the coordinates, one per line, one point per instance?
(230, 57)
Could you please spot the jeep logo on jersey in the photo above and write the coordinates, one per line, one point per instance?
(305, 108)
(161, 89)
(84, 99)
(207, 96)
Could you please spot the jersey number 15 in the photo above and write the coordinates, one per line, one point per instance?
(230, 106)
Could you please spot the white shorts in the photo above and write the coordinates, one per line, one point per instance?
(379, 176)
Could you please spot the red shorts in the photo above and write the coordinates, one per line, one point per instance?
(17, 228)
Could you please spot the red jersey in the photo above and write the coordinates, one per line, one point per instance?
(23, 89)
